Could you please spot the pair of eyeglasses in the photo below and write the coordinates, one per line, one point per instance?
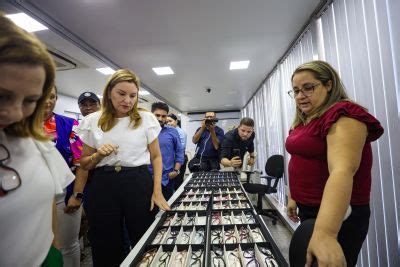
(257, 235)
(159, 236)
(180, 258)
(307, 90)
(234, 259)
(195, 258)
(230, 236)
(237, 219)
(216, 218)
(172, 237)
(217, 256)
(249, 218)
(199, 236)
(244, 235)
(168, 220)
(185, 238)
(9, 177)
(226, 219)
(244, 204)
(250, 258)
(216, 236)
(164, 259)
(147, 258)
(269, 258)
(178, 220)
(190, 220)
(234, 205)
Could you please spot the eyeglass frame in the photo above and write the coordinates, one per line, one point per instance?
(311, 88)
(2, 165)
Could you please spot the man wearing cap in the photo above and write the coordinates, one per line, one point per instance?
(88, 103)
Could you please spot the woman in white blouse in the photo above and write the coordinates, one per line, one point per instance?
(32, 171)
(119, 142)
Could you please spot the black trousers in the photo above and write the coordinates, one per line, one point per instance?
(179, 179)
(115, 198)
(351, 235)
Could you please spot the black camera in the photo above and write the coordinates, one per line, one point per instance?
(210, 121)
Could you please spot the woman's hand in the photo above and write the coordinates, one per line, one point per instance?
(326, 249)
(107, 149)
(291, 210)
(158, 199)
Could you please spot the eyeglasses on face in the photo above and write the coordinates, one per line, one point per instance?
(9, 177)
(307, 90)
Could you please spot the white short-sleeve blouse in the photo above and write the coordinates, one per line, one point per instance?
(26, 213)
(133, 143)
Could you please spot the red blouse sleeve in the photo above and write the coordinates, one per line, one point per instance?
(354, 111)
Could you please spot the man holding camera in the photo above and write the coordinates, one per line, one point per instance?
(208, 138)
(237, 142)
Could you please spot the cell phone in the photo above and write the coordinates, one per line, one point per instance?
(236, 153)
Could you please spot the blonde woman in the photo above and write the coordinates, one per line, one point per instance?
(330, 166)
(119, 142)
(32, 171)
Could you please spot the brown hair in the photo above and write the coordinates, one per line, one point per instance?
(108, 116)
(20, 47)
(247, 121)
(324, 73)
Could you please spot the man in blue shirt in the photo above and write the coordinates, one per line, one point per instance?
(171, 149)
(172, 120)
(208, 139)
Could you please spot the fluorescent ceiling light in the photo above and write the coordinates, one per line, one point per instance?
(239, 65)
(27, 23)
(163, 70)
(106, 71)
(143, 92)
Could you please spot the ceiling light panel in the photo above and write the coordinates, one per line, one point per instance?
(163, 71)
(26, 22)
(239, 65)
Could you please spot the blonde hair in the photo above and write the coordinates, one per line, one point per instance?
(22, 48)
(108, 115)
(324, 73)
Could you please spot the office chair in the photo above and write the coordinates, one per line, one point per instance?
(274, 170)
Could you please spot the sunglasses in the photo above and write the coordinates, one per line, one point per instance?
(9, 177)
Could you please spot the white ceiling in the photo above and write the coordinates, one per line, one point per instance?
(197, 38)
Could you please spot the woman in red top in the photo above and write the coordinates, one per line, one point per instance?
(330, 165)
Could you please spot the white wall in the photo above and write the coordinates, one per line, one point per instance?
(67, 106)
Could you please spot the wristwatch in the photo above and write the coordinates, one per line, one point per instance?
(177, 171)
(78, 195)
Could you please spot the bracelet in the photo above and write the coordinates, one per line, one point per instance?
(91, 158)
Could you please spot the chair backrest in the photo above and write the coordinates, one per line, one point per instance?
(274, 166)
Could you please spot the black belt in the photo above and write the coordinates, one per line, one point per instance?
(120, 168)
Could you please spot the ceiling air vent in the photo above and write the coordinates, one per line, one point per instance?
(61, 61)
